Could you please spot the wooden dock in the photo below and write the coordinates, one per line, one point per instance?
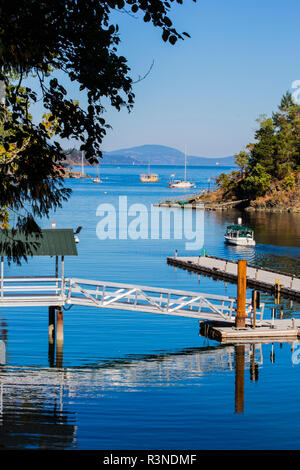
(257, 277)
(177, 205)
(269, 331)
(197, 203)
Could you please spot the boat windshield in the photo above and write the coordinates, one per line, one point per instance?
(239, 232)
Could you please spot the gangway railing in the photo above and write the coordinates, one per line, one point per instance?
(55, 291)
(152, 299)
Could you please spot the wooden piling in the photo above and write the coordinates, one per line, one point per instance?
(240, 321)
(51, 327)
(59, 325)
(254, 300)
(278, 292)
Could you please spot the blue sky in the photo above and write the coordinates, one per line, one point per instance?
(207, 91)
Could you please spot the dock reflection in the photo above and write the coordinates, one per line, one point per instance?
(35, 402)
(168, 367)
(165, 368)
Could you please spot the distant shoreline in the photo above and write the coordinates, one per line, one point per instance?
(221, 165)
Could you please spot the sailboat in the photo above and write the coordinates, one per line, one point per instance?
(82, 166)
(182, 184)
(149, 177)
(97, 179)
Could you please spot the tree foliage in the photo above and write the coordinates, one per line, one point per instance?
(45, 41)
(273, 157)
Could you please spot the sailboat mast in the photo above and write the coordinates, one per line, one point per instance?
(185, 163)
(82, 169)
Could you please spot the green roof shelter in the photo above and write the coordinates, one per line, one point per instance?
(49, 242)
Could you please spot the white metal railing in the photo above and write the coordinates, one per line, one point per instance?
(57, 291)
(151, 299)
(12, 287)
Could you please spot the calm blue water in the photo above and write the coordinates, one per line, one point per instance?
(130, 380)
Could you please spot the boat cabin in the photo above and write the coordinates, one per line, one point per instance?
(239, 235)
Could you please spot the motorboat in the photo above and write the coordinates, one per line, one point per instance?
(239, 235)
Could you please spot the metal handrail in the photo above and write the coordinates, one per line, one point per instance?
(34, 285)
(150, 299)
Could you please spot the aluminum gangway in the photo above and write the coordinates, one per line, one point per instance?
(152, 300)
(55, 291)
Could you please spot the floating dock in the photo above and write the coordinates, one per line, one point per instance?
(269, 331)
(259, 278)
(197, 203)
(178, 205)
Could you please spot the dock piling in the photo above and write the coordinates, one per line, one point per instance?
(254, 300)
(240, 321)
(273, 318)
(51, 327)
(59, 325)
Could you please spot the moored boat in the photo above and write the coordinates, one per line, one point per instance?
(149, 177)
(182, 184)
(97, 179)
(239, 235)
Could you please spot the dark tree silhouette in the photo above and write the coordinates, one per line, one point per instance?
(44, 41)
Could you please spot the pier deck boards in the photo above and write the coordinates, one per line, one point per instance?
(257, 277)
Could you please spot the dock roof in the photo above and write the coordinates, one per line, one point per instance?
(50, 242)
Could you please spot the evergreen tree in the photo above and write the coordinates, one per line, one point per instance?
(263, 150)
(274, 156)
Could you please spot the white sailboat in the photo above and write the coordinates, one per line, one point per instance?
(182, 184)
(97, 179)
(82, 166)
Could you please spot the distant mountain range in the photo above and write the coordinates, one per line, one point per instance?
(155, 154)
